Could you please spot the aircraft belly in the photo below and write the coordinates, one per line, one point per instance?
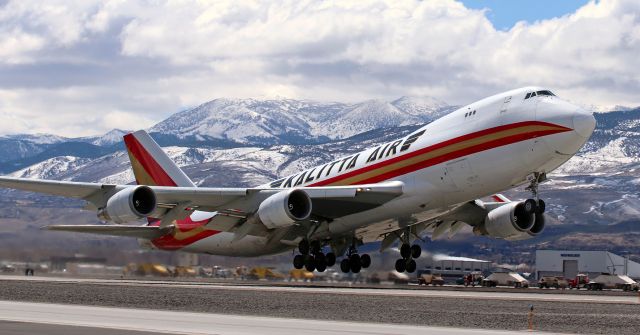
(223, 244)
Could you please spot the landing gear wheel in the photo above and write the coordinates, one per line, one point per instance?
(310, 264)
(401, 265)
(416, 251)
(354, 263)
(530, 206)
(541, 206)
(411, 266)
(298, 262)
(365, 261)
(331, 259)
(405, 250)
(303, 247)
(344, 265)
(321, 265)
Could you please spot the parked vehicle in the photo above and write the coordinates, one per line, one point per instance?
(553, 282)
(513, 279)
(300, 274)
(580, 281)
(430, 279)
(260, 272)
(610, 281)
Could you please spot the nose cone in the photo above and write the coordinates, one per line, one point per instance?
(584, 123)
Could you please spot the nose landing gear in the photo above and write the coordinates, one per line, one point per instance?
(312, 257)
(535, 205)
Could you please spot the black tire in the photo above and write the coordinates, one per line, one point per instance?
(321, 266)
(315, 246)
(365, 261)
(331, 259)
(298, 262)
(405, 250)
(354, 263)
(355, 258)
(401, 265)
(530, 206)
(303, 247)
(411, 266)
(344, 265)
(416, 251)
(541, 206)
(310, 264)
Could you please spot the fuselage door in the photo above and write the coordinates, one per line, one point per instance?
(459, 174)
(505, 105)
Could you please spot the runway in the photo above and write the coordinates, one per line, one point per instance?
(304, 305)
(50, 317)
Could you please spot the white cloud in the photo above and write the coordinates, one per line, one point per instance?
(102, 64)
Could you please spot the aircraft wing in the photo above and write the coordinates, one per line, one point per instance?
(327, 201)
(147, 232)
(447, 223)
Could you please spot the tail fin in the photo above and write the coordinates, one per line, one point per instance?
(151, 166)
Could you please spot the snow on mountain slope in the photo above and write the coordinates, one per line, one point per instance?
(110, 138)
(422, 107)
(38, 138)
(277, 121)
(610, 156)
(234, 119)
(51, 168)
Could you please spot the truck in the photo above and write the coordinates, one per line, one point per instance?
(430, 279)
(580, 281)
(553, 282)
(505, 279)
(612, 281)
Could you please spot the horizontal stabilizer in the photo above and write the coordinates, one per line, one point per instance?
(147, 232)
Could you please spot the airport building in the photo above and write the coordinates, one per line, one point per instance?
(568, 263)
(452, 267)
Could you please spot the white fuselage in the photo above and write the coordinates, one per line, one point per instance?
(500, 130)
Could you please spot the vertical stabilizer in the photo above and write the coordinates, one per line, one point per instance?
(151, 166)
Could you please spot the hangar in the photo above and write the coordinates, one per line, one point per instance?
(568, 263)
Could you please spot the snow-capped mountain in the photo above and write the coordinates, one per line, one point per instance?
(110, 138)
(250, 121)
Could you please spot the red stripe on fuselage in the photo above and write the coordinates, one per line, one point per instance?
(453, 155)
(153, 169)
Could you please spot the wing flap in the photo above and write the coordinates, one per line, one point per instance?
(147, 232)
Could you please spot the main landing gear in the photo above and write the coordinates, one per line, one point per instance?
(312, 258)
(535, 205)
(354, 262)
(408, 253)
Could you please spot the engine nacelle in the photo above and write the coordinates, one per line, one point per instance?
(510, 221)
(285, 208)
(130, 204)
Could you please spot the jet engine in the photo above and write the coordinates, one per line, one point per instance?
(511, 222)
(285, 208)
(128, 205)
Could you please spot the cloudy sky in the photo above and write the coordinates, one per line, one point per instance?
(84, 67)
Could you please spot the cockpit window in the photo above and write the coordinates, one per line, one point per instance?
(545, 92)
(533, 94)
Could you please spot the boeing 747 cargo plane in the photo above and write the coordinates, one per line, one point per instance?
(427, 182)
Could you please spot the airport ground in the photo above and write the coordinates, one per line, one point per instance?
(315, 305)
